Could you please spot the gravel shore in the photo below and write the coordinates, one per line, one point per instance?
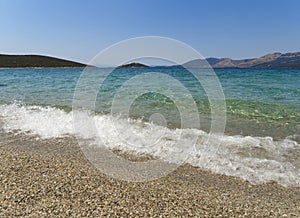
(53, 178)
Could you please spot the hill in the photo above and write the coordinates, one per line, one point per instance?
(133, 65)
(31, 61)
(273, 60)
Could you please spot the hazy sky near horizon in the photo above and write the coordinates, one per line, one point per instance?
(78, 30)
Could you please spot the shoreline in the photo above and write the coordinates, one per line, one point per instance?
(44, 67)
(157, 67)
(52, 177)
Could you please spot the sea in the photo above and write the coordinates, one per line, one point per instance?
(149, 111)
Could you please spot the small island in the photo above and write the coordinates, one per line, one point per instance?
(37, 61)
(133, 65)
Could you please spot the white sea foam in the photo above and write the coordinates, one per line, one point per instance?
(256, 159)
(47, 122)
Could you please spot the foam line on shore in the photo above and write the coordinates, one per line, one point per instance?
(256, 159)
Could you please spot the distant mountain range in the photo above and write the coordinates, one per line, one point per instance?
(22, 61)
(274, 60)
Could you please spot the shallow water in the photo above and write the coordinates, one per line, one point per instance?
(261, 141)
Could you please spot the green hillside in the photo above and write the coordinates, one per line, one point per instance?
(20, 61)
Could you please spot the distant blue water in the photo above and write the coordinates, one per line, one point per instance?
(258, 100)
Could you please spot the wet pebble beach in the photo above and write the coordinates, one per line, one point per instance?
(52, 178)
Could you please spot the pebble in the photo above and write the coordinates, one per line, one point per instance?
(44, 184)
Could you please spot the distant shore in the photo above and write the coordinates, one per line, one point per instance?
(46, 67)
(268, 61)
(37, 61)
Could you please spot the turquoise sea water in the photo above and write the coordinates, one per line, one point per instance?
(261, 139)
(258, 101)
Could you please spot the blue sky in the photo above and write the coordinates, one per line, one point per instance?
(78, 30)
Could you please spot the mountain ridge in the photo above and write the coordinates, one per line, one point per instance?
(272, 60)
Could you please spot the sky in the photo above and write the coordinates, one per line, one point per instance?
(79, 30)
